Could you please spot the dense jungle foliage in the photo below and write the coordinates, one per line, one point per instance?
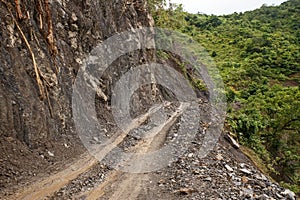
(258, 55)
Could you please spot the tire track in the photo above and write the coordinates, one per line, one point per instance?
(49, 185)
(120, 185)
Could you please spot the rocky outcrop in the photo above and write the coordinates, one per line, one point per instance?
(60, 34)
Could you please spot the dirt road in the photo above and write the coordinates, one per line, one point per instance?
(117, 185)
(121, 185)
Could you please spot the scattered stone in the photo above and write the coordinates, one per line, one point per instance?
(162, 181)
(78, 60)
(185, 191)
(95, 139)
(237, 183)
(219, 157)
(289, 194)
(59, 26)
(261, 184)
(74, 17)
(245, 179)
(242, 165)
(232, 141)
(261, 177)
(50, 154)
(279, 196)
(207, 179)
(246, 171)
(74, 27)
(248, 192)
(74, 43)
(263, 197)
(190, 155)
(228, 168)
(72, 34)
(66, 145)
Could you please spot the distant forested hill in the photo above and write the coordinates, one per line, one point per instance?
(258, 55)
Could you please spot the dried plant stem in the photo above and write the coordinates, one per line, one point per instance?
(50, 37)
(18, 7)
(36, 69)
(40, 11)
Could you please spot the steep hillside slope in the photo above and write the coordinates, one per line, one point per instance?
(258, 55)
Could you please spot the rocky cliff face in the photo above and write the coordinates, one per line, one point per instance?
(60, 34)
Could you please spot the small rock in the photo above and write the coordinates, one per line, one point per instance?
(207, 179)
(261, 184)
(232, 141)
(263, 197)
(74, 27)
(59, 26)
(289, 194)
(237, 183)
(232, 176)
(261, 177)
(66, 145)
(185, 191)
(50, 154)
(219, 157)
(95, 139)
(72, 34)
(246, 171)
(242, 165)
(248, 192)
(279, 196)
(190, 155)
(228, 168)
(78, 60)
(245, 179)
(74, 43)
(161, 181)
(74, 17)
(10, 139)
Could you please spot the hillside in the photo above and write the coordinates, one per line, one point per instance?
(258, 55)
(96, 103)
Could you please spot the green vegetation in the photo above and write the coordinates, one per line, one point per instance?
(258, 55)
